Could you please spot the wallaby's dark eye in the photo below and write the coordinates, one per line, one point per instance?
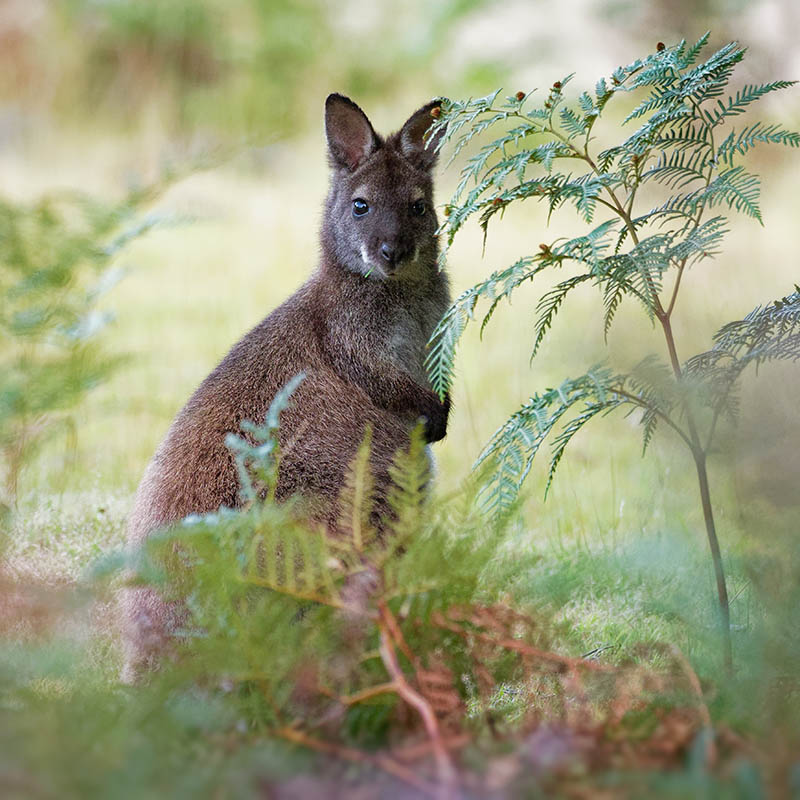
(418, 207)
(360, 207)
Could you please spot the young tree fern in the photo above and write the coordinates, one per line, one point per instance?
(544, 152)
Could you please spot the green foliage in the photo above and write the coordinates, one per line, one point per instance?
(338, 643)
(229, 68)
(676, 156)
(634, 254)
(256, 457)
(57, 259)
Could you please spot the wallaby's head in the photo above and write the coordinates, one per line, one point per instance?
(379, 219)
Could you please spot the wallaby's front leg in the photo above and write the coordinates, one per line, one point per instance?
(400, 393)
(436, 419)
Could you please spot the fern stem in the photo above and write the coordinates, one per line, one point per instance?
(699, 455)
(660, 414)
(448, 779)
(367, 694)
(675, 289)
(716, 557)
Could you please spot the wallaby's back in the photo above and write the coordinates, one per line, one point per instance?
(358, 330)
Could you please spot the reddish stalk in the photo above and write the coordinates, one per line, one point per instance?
(563, 662)
(446, 773)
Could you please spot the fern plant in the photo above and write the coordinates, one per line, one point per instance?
(57, 259)
(632, 249)
(386, 647)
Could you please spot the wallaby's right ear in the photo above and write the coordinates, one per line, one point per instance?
(351, 138)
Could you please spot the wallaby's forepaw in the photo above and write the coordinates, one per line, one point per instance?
(436, 419)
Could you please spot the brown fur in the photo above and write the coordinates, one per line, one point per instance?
(357, 328)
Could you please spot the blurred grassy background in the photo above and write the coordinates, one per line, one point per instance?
(102, 95)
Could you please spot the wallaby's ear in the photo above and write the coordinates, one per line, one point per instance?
(415, 145)
(351, 137)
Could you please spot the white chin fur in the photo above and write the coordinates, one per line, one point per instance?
(368, 267)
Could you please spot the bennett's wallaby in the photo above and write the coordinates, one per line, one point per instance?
(358, 329)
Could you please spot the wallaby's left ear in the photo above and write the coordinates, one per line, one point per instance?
(418, 148)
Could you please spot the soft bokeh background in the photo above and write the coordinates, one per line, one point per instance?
(103, 95)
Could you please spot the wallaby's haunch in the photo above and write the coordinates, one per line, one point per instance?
(358, 329)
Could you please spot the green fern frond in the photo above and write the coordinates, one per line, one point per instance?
(502, 284)
(613, 295)
(741, 100)
(515, 444)
(662, 98)
(689, 134)
(357, 499)
(768, 333)
(679, 168)
(739, 144)
(736, 189)
(256, 456)
(690, 56)
(573, 124)
(564, 437)
(701, 242)
(765, 333)
(549, 306)
(408, 496)
(440, 361)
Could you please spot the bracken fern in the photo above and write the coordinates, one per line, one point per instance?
(544, 152)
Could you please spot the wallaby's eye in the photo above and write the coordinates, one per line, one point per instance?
(360, 207)
(418, 207)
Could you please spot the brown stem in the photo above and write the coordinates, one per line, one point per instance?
(560, 662)
(699, 455)
(395, 632)
(675, 289)
(448, 780)
(366, 694)
(660, 414)
(716, 557)
(666, 325)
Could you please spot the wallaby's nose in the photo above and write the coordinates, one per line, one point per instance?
(388, 252)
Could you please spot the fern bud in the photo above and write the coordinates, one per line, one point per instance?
(497, 201)
(544, 248)
(557, 85)
(436, 112)
(447, 210)
(660, 46)
(520, 96)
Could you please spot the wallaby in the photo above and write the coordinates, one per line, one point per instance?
(357, 328)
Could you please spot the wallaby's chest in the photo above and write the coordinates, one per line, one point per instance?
(389, 331)
(406, 334)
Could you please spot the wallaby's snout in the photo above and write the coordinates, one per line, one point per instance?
(392, 253)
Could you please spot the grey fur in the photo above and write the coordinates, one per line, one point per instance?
(357, 328)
